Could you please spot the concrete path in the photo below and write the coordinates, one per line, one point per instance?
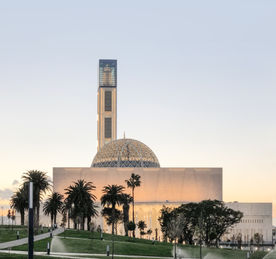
(80, 255)
(271, 255)
(23, 241)
(127, 256)
(44, 254)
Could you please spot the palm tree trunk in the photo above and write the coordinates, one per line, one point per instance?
(126, 218)
(126, 228)
(35, 218)
(88, 223)
(116, 228)
(37, 215)
(82, 222)
(113, 245)
(175, 248)
(55, 219)
(68, 219)
(52, 220)
(113, 218)
(112, 228)
(22, 216)
(133, 210)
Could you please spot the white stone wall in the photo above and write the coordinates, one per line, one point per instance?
(257, 219)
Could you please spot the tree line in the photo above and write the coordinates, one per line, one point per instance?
(78, 204)
(206, 221)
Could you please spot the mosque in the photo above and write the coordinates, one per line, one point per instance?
(117, 159)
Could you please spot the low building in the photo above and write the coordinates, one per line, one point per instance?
(257, 218)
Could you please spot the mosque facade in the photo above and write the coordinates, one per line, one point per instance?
(117, 159)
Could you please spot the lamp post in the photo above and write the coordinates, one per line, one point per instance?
(72, 213)
(31, 223)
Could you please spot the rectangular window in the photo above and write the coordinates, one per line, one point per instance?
(107, 101)
(107, 127)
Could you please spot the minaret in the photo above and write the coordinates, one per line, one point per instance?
(107, 102)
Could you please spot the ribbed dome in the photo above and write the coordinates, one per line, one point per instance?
(125, 153)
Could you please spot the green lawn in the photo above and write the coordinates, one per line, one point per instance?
(39, 246)
(7, 233)
(96, 235)
(87, 242)
(15, 256)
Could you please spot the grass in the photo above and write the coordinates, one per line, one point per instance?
(16, 256)
(99, 247)
(39, 246)
(7, 233)
(87, 242)
(96, 235)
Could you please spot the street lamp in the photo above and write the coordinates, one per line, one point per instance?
(31, 223)
(72, 208)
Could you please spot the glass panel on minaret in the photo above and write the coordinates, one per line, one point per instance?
(107, 127)
(108, 73)
(107, 101)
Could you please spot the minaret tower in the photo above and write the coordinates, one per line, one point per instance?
(107, 102)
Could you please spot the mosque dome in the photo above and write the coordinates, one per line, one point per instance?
(125, 153)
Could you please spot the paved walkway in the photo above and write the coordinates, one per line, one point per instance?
(80, 255)
(23, 241)
(128, 256)
(271, 255)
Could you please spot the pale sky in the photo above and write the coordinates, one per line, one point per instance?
(196, 83)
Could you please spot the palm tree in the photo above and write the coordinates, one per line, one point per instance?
(133, 182)
(19, 202)
(66, 209)
(111, 217)
(64, 216)
(91, 212)
(141, 225)
(41, 185)
(126, 200)
(53, 206)
(112, 196)
(80, 201)
(149, 232)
